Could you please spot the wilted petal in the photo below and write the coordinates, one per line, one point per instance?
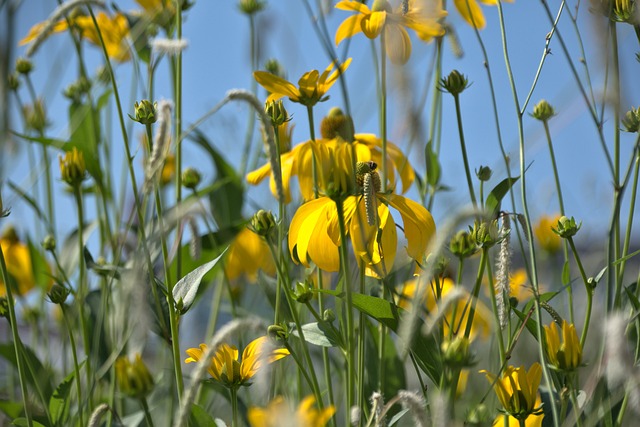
(398, 44)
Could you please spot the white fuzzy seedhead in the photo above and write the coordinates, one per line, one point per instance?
(169, 47)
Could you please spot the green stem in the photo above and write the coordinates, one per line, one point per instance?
(147, 413)
(383, 110)
(251, 120)
(17, 344)
(464, 152)
(588, 289)
(361, 350)
(76, 367)
(632, 204)
(279, 256)
(234, 406)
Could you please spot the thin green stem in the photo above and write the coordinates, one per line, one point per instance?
(383, 110)
(463, 147)
(76, 367)
(147, 413)
(234, 406)
(17, 343)
(632, 203)
(588, 288)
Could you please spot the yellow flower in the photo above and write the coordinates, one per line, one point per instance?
(382, 19)
(314, 232)
(532, 420)
(134, 379)
(248, 253)
(471, 11)
(224, 366)
(73, 169)
(168, 170)
(19, 266)
(517, 390)
(114, 30)
(518, 285)
(549, 241)
(277, 413)
(311, 89)
(452, 323)
(568, 355)
(299, 162)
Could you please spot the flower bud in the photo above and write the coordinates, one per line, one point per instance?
(72, 167)
(250, 7)
(631, 120)
(58, 294)
(303, 293)
(278, 333)
(485, 233)
(328, 315)
(273, 66)
(262, 223)
(484, 173)
(456, 352)
(77, 89)
(146, 112)
(191, 178)
(13, 82)
(454, 83)
(480, 415)
(3, 212)
(566, 227)
(35, 116)
(463, 245)
(24, 66)
(276, 112)
(543, 111)
(134, 379)
(4, 307)
(49, 243)
(337, 124)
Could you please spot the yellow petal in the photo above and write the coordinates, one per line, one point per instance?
(471, 12)
(278, 87)
(349, 28)
(308, 238)
(257, 176)
(418, 224)
(373, 24)
(35, 31)
(308, 84)
(353, 5)
(326, 80)
(398, 44)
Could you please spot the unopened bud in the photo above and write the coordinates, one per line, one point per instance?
(251, 7)
(484, 173)
(455, 83)
(485, 233)
(631, 120)
(303, 293)
(24, 66)
(463, 245)
(328, 315)
(566, 227)
(456, 352)
(278, 333)
(262, 223)
(72, 167)
(543, 111)
(13, 82)
(58, 294)
(191, 178)
(273, 66)
(35, 115)
(133, 378)
(49, 243)
(146, 112)
(276, 112)
(337, 124)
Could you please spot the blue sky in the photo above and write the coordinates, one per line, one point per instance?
(217, 60)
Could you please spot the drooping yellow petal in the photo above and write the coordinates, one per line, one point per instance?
(278, 87)
(257, 176)
(418, 224)
(35, 31)
(398, 44)
(471, 12)
(373, 24)
(247, 254)
(349, 28)
(258, 352)
(353, 5)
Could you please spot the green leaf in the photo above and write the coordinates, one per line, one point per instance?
(85, 134)
(566, 274)
(59, 402)
(37, 375)
(47, 142)
(39, 266)
(22, 422)
(10, 408)
(319, 333)
(227, 199)
(494, 198)
(185, 290)
(30, 201)
(434, 171)
(69, 252)
(532, 325)
(100, 347)
(200, 417)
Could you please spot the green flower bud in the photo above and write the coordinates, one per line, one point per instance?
(133, 378)
(631, 120)
(485, 233)
(456, 352)
(145, 111)
(328, 315)
(543, 111)
(337, 124)
(58, 294)
(191, 178)
(303, 293)
(76, 90)
(278, 332)
(455, 83)
(250, 7)
(463, 245)
(72, 167)
(4, 307)
(35, 116)
(276, 112)
(13, 82)
(49, 243)
(24, 66)
(262, 223)
(566, 227)
(484, 173)
(480, 415)
(273, 66)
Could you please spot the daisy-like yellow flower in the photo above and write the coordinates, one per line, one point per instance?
(225, 366)
(471, 11)
(420, 16)
(455, 318)
(114, 30)
(567, 355)
(19, 266)
(549, 241)
(519, 287)
(311, 89)
(314, 233)
(133, 378)
(299, 161)
(279, 414)
(248, 253)
(517, 390)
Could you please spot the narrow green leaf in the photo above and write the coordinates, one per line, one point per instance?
(566, 274)
(59, 402)
(185, 290)
(494, 198)
(319, 333)
(37, 375)
(10, 408)
(48, 142)
(200, 417)
(22, 422)
(70, 250)
(624, 258)
(531, 324)
(30, 201)
(434, 170)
